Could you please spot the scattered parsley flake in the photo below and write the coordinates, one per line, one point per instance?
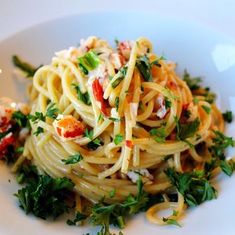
(20, 118)
(207, 109)
(227, 167)
(73, 159)
(186, 130)
(171, 222)
(192, 82)
(39, 131)
(78, 217)
(228, 116)
(52, 111)
(118, 139)
(121, 75)
(89, 134)
(84, 97)
(159, 134)
(195, 188)
(112, 193)
(116, 103)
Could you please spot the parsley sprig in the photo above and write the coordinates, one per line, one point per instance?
(228, 116)
(51, 112)
(195, 187)
(144, 66)
(44, 196)
(159, 134)
(186, 130)
(103, 214)
(84, 97)
(72, 159)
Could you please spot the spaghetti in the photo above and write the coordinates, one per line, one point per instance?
(128, 115)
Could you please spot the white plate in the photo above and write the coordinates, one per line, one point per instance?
(200, 50)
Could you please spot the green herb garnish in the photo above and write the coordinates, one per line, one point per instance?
(89, 133)
(207, 109)
(116, 103)
(228, 116)
(84, 97)
(112, 193)
(121, 75)
(195, 188)
(192, 82)
(52, 111)
(227, 167)
(171, 222)
(38, 131)
(159, 134)
(118, 139)
(144, 66)
(78, 217)
(186, 130)
(44, 196)
(73, 159)
(94, 144)
(20, 119)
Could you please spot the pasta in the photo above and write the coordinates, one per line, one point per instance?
(128, 115)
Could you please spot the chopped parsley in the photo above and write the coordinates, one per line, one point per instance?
(101, 117)
(112, 193)
(84, 97)
(25, 67)
(20, 119)
(144, 66)
(194, 85)
(116, 103)
(44, 196)
(52, 111)
(195, 100)
(114, 119)
(207, 109)
(186, 130)
(89, 133)
(19, 149)
(38, 116)
(228, 116)
(227, 167)
(73, 159)
(220, 143)
(210, 97)
(118, 139)
(167, 103)
(27, 173)
(103, 214)
(78, 217)
(194, 187)
(94, 144)
(121, 75)
(38, 131)
(171, 222)
(192, 82)
(159, 134)
(116, 42)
